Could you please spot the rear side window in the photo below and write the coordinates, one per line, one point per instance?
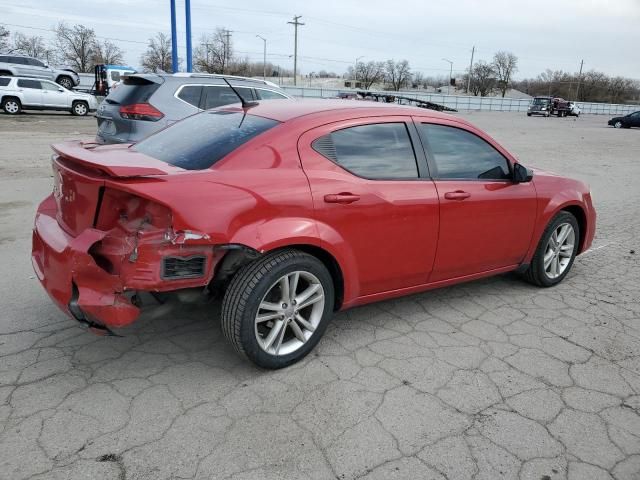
(132, 90)
(458, 154)
(270, 95)
(4, 81)
(199, 141)
(218, 96)
(379, 151)
(23, 83)
(191, 94)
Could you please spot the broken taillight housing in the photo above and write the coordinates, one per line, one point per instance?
(141, 111)
(131, 212)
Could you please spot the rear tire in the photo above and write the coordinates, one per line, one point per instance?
(80, 109)
(552, 253)
(282, 333)
(65, 82)
(11, 105)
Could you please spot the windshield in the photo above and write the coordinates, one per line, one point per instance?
(199, 141)
(540, 101)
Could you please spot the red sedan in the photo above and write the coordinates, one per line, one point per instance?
(294, 210)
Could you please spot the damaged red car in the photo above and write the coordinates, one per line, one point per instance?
(294, 210)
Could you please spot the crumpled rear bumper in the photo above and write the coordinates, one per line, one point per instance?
(71, 276)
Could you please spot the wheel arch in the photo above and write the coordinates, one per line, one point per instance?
(581, 216)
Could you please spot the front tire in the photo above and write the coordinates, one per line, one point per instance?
(65, 82)
(556, 251)
(276, 308)
(618, 124)
(80, 109)
(11, 106)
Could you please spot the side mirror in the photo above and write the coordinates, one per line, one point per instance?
(521, 174)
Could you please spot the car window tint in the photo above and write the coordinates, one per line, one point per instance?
(4, 81)
(460, 154)
(199, 141)
(4, 59)
(217, 96)
(191, 94)
(269, 95)
(23, 83)
(378, 151)
(50, 86)
(35, 63)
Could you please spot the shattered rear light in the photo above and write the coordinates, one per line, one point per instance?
(119, 208)
(141, 111)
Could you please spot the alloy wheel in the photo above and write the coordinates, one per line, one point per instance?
(289, 313)
(11, 106)
(618, 125)
(559, 251)
(66, 83)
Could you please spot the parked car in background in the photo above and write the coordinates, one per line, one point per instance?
(293, 210)
(145, 103)
(627, 121)
(24, 66)
(20, 93)
(574, 110)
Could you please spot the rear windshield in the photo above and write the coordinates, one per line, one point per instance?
(199, 141)
(132, 90)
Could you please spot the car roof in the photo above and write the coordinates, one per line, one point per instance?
(286, 111)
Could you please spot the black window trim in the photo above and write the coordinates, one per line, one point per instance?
(433, 167)
(418, 152)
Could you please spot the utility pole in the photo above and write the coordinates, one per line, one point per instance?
(355, 72)
(579, 80)
(450, 75)
(295, 23)
(473, 51)
(227, 44)
(264, 58)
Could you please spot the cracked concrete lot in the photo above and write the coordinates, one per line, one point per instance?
(494, 379)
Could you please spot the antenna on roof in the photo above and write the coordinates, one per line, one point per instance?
(244, 103)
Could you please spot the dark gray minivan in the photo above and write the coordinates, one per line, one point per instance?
(145, 103)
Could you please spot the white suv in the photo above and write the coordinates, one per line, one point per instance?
(24, 66)
(18, 93)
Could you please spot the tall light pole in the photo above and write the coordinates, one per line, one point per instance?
(355, 71)
(450, 75)
(264, 57)
(296, 24)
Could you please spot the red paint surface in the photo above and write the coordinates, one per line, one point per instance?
(115, 213)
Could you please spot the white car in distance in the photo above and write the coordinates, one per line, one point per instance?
(22, 93)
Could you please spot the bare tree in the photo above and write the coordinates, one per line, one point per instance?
(483, 79)
(398, 73)
(213, 55)
(76, 46)
(108, 53)
(367, 73)
(618, 88)
(157, 58)
(4, 38)
(33, 46)
(505, 64)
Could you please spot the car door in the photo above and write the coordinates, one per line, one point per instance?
(31, 92)
(38, 69)
(486, 220)
(373, 199)
(635, 119)
(53, 95)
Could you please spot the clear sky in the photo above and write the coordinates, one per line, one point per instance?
(554, 34)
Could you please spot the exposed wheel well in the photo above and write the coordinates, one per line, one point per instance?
(332, 265)
(581, 217)
(7, 97)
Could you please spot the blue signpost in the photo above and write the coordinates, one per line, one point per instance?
(174, 38)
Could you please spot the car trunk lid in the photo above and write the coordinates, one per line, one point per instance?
(80, 172)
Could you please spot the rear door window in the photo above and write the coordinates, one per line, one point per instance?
(24, 83)
(191, 94)
(199, 141)
(219, 95)
(378, 151)
(270, 95)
